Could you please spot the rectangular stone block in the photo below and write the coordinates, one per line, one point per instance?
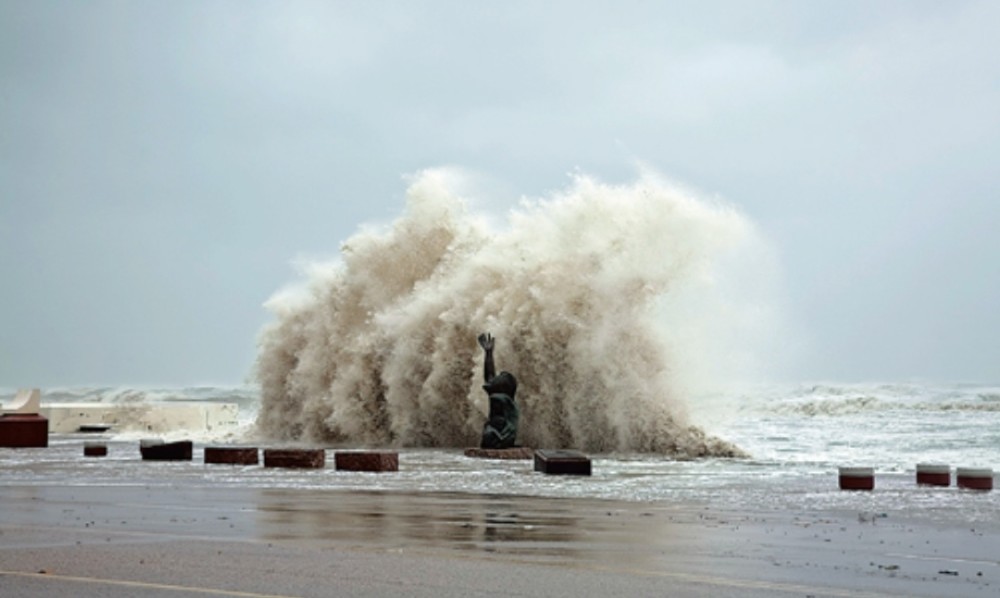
(232, 455)
(366, 461)
(856, 478)
(95, 449)
(299, 458)
(181, 450)
(974, 478)
(930, 474)
(24, 431)
(562, 462)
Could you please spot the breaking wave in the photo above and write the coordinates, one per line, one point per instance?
(586, 292)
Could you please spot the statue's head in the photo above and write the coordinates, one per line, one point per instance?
(502, 383)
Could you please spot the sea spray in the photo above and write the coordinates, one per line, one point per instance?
(380, 348)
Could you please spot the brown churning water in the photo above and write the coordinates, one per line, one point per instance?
(380, 347)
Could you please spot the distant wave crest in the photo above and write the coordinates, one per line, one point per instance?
(839, 400)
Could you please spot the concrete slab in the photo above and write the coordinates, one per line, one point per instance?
(562, 462)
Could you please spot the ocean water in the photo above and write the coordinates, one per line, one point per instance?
(795, 436)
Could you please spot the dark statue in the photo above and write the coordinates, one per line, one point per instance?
(500, 430)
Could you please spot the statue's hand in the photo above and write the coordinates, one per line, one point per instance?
(486, 341)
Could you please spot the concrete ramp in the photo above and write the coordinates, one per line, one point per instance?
(27, 401)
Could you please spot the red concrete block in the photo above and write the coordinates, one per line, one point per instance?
(932, 474)
(298, 458)
(232, 455)
(521, 452)
(974, 478)
(95, 449)
(562, 462)
(366, 461)
(857, 478)
(155, 450)
(23, 431)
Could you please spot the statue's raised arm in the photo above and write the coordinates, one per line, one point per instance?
(486, 342)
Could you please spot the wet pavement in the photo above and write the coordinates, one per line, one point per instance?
(229, 541)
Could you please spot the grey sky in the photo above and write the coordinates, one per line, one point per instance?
(162, 163)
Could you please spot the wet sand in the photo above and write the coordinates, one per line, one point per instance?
(188, 540)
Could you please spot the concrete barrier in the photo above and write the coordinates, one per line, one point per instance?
(857, 478)
(376, 461)
(933, 474)
(95, 449)
(562, 462)
(24, 431)
(157, 450)
(232, 455)
(973, 478)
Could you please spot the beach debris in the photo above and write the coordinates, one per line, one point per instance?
(864, 517)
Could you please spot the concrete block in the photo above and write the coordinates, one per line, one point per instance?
(366, 461)
(973, 478)
(856, 478)
(95, 449)
(562, 462)
(932, 474)
(157, 450)
(24, 431)
(298, 458)
(232, 455)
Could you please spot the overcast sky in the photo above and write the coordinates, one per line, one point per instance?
(163, 163)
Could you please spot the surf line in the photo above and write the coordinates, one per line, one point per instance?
(747, 584)
(945, 559)
(141, 584)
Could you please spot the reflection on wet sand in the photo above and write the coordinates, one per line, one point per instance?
(501, 524)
